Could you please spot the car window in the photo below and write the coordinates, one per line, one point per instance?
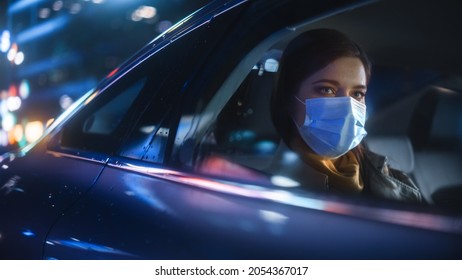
(413, 120)
(133, 116)
(151, 137)
(243, 130)
(103, 124)
(239, 140)
(106, 119)
(97, 127)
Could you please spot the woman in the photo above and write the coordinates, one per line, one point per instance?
(319, 110)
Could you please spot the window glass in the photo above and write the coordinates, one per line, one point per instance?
(416, 133)
(233, 136)
(243, 130)
(103, 125)
(151, 136)
(106, 119)
(133, 117)
(97, 127)
(228, 131)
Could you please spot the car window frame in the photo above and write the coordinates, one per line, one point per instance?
(229, 86)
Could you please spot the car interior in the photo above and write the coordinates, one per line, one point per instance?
(414, 100)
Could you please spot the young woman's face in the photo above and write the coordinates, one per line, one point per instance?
(344, 76)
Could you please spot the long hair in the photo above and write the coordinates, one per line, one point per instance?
(308, 53)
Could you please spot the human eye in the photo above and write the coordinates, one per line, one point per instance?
(326, 90)
(359, 95)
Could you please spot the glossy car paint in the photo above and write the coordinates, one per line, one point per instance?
(139, 215)
(36, 191)
(60, 203)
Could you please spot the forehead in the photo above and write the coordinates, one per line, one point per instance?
(342, 70)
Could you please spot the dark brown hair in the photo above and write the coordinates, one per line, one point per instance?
(308, 53)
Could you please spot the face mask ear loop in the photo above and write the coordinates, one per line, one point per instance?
(292, 112)
(299, 100)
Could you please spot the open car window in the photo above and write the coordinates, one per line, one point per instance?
(242, 142)
(413, 104)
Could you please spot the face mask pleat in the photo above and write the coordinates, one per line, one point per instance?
(333, 125)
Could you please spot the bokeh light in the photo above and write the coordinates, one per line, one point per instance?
(34, 130)
(58, 5)
(12, 52)
(3, 138)
(5, 41)
(13, 103)
(44, 13)
(18, 133)
(65, 101)
(143, 13)
(19, 58)
(8, 121)
(24, 89)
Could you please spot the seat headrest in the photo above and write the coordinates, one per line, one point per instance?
(425, 120)
(446, 126)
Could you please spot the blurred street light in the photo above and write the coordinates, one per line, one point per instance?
(5, 41)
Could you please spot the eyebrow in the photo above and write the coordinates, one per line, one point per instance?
(334, 82)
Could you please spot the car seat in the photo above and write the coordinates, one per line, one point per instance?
(422, 136)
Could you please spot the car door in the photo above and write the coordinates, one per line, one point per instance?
(40, 186)
(159, 74)
(35, 190)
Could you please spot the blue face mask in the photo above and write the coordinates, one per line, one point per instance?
(333, 125)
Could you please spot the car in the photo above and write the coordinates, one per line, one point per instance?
(167, 157)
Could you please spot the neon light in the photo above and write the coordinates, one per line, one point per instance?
(28, 233)
(48, 64)
(20, 5)
(43, 29)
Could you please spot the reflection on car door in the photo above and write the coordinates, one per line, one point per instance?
(30, 203)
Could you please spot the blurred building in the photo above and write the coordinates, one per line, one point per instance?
(53, 51)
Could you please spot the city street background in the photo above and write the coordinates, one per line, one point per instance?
(54, 51)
